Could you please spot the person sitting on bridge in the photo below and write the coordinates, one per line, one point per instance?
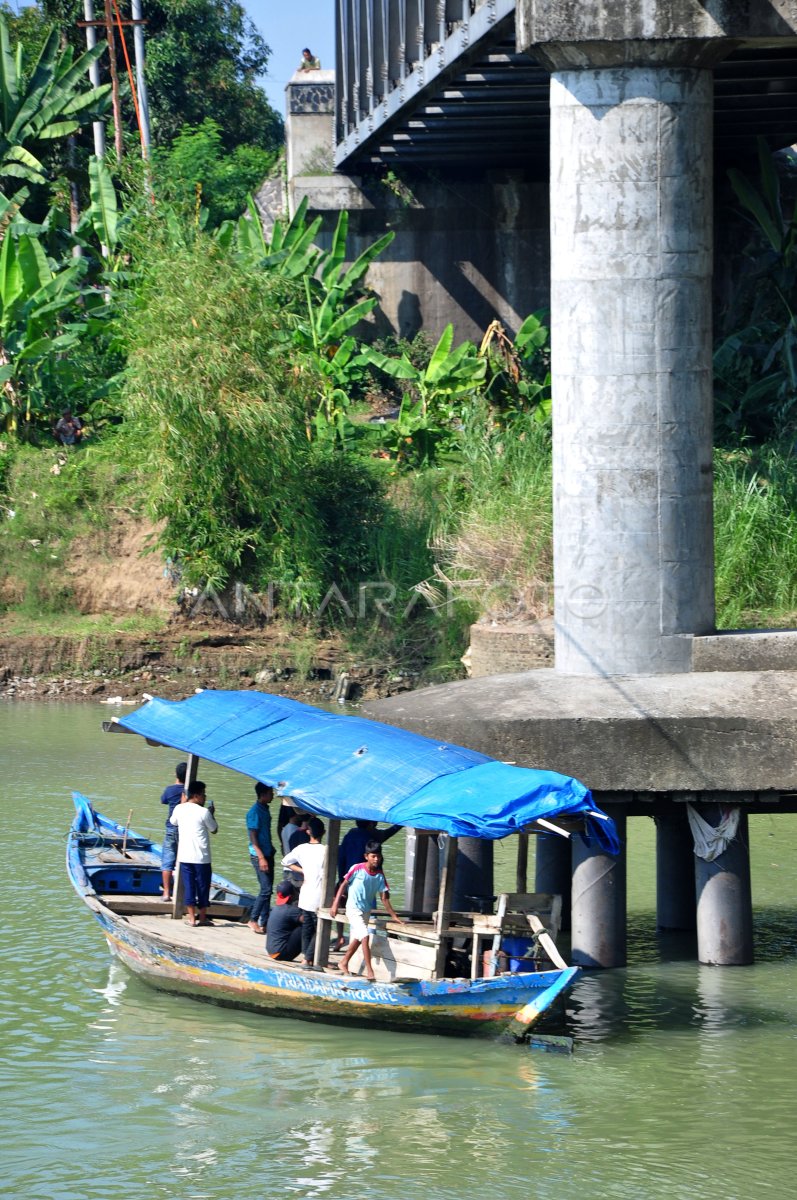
(309, 61)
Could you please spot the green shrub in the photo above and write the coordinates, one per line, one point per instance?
(217, 397)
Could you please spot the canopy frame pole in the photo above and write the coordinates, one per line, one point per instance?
(178, 887)
(445, 898)
(522, 869)
(329, 879)
(415, 898)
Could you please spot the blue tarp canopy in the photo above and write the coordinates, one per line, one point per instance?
(350, 767)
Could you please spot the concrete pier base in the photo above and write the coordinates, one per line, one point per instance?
(553, 872)
(724, 899)
(599, 918)
(675, 871)
(474, 876)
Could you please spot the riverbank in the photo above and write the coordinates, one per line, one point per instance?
(174, 661)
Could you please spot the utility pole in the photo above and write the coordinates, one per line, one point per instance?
(115, 100)
(141, 83)
(94, 74)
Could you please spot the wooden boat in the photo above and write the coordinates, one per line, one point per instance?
(440, 971)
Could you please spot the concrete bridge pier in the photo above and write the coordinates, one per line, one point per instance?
(553, 871)
(724, 898)
(599, 913)
(675, 871)
(631, 260)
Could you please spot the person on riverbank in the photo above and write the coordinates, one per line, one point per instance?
(195, 824)
(284, 928)
(310, 859)
(261, 854)
(172, 795)
(363, 885)
(68, 429)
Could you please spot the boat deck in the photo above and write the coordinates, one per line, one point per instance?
(231, 938)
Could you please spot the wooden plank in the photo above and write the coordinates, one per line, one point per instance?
(493, 968)
(138, 905)
(324, 927)
(522, 867)
(405, 953)
(547, 942)
(415, 899)
(442, 917)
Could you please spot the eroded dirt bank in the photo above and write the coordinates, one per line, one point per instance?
(112, 572)
(185, 657)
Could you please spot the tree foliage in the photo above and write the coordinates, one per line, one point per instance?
(197, 172)
(47, 102)
(218, 399)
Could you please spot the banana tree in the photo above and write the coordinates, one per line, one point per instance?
(36, 325)
(49, 102)
(433, 396)
(292, 252)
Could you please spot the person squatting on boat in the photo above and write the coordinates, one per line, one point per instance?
(261, 854)
(284, 928)
(363, 884)
(172, 795)
(195, 823)
(310, 859)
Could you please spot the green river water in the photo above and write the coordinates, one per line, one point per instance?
(682, 1083)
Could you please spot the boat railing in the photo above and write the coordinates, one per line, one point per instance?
(434, 945)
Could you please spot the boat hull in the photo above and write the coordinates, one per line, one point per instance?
(209, 967)
(446, 1006)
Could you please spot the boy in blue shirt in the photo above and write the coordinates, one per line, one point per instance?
(365, 883)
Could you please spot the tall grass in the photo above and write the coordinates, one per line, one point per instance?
(495, 542)
(755, 538)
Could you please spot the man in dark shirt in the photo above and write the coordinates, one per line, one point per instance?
(173, 795)
(284, 927)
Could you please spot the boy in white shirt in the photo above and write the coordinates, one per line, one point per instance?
(309, 859)
(195, 824)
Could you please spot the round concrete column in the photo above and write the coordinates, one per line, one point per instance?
(431, 880)
(599, 917)
(675, 870)
(631, 261)
(724, 899)
(553, 870)
(474, 875)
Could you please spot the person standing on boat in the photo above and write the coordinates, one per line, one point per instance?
(261, 854)
(195, 824)
(284, 928)
(364, 883)
(172, 795)
(352, 851)
(310, 859)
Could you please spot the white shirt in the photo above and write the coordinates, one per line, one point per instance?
(311, 858)
(195, 825)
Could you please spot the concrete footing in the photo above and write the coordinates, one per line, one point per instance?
(724, 899)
